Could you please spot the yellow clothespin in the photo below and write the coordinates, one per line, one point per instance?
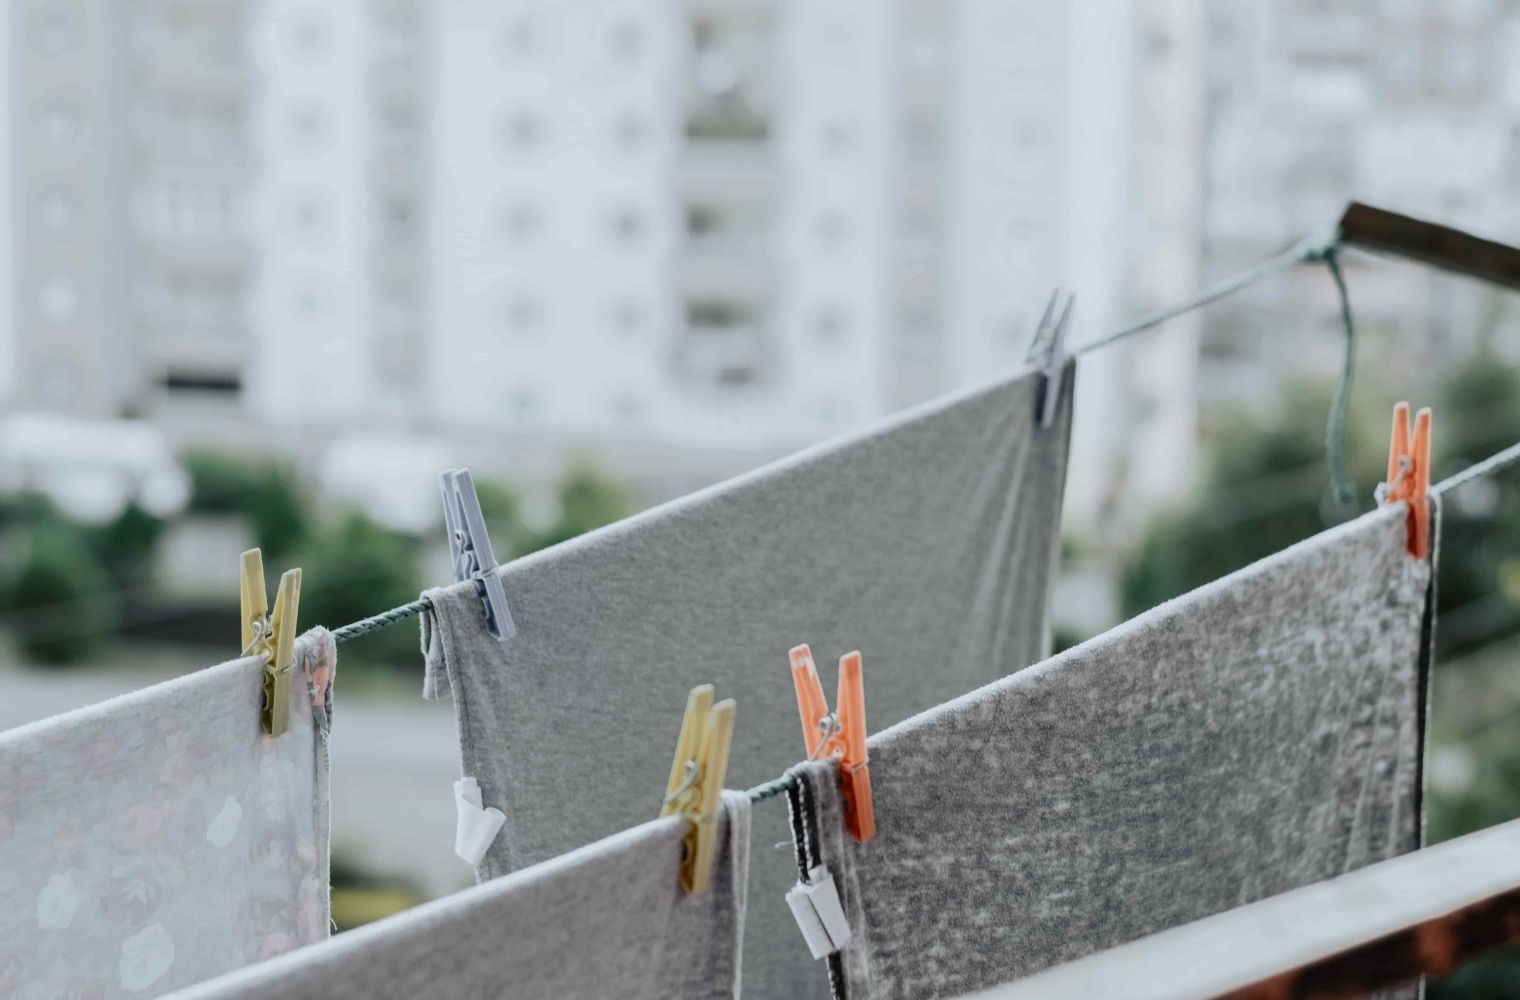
(271, 636)
(696, 778)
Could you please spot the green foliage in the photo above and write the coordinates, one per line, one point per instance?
(1479, 591)
(60, 597)
(126, 547)
(266, 494)
(354, 569)
(219, 482)
(501, 506)
(1263, 490)
(587, 499)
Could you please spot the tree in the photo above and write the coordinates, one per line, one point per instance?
(265, 494)
(587, 499)
(353, 569)
(126, 547)
(501, 506)
(61, 596)
(1263, 489)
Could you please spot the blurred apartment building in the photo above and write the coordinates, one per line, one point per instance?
(1402, 103)
(695, 232)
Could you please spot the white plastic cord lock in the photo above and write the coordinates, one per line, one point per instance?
(477, 826)
(815, 905)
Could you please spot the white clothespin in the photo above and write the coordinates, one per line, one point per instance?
(1048, 352)
(816, 908)
(471, 548)
(476, 827)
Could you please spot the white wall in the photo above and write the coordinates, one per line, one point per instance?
(553, 219)
(312, 213)
(835, 227)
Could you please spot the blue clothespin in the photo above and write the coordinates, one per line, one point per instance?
(471, 548)
(1048, 353)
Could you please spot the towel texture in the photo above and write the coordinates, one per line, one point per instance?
(1257, 735)
(162, 838)
(608, 920)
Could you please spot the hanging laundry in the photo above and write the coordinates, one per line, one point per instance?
(608, 920)
(161, 838)
(929, 542)
(1256, 735)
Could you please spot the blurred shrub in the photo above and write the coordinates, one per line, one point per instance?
(60, 598)
(587, 499)
(352, 570)
(127, 546)
(1478, 414)
(1263, 489)
(264, 493)
(501, 506)
(362, 897)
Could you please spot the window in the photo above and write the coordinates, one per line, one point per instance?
(624, 43)
(308, 123)
(524, 314)
(838, 138)
(309, 34)
(522, 221)
(60, 119)
(57, 300)
(310, 301)
(630, 132)
(55, 211)
(627, 225)
(830, 324)
(832, 228)
(519, 40)
(307, 214)
(524, 403)
(627, 317)
(627, 405)
(55, 31)
(522, 131)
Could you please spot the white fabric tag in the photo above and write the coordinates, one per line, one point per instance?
(815, 905)
(477, 827)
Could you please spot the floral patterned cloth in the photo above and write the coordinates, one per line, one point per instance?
(161, 838)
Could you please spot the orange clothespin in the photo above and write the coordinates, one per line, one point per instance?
(696, 777)
(1409, 474)
(843, 733)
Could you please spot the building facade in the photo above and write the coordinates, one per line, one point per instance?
(684, 235)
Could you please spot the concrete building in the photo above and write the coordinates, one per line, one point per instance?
(70, 335)
(1409, 105)
(681, 236)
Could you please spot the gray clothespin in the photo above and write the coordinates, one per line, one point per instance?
(471, 548)
(1048, 353)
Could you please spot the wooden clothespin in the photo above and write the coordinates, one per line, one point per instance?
(696, 777)
(271, 636)
(843, 733)
(1047, 351)
(1409, 474)
(470, 547)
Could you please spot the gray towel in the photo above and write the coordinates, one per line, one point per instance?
(161, 838)
(1259, 734)
(608, 920)
(928, 543)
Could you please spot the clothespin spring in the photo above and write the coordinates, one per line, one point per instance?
(828, 728)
